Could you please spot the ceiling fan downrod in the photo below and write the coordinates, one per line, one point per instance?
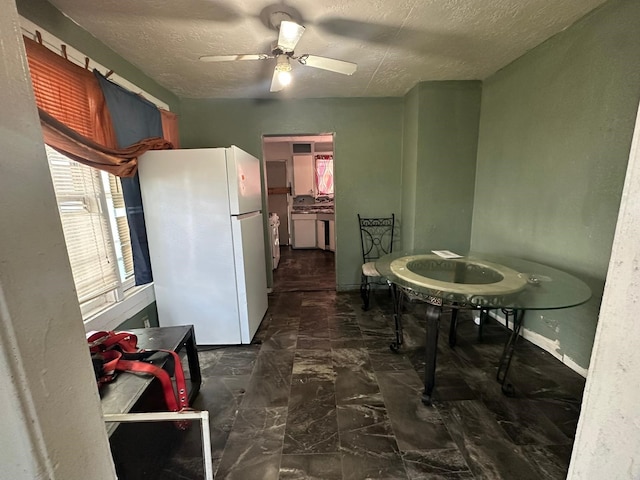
(276, 19)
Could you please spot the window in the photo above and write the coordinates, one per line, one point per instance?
(96, 231)
(324, 174)
(90, 201)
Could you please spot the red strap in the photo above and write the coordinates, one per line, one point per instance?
(127, 341)
(110, 344)
(95, 341)
(160, 374)
(181, 384)
(111, 359)
(176, 400)
(101, 341)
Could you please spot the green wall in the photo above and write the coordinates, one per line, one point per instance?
(45, 15)
(149, 313)
(555, 134)
(410, 160)
(368, 149)
(439, 175)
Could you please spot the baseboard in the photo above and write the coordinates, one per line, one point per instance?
(548, 345)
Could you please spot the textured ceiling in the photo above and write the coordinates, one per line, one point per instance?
(396, 43)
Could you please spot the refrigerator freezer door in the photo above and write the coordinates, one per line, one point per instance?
(251, 276)
(245, 188)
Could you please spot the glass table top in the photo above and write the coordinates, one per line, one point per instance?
(484, 280)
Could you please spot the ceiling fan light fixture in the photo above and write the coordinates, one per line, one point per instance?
(290, 33)
(281, 73)
(283, 64)
(284, 77)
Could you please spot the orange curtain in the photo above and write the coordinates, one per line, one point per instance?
(170, 127)
(74, 115)
(69, 93)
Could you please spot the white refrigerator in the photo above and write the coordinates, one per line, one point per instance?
(203, 216)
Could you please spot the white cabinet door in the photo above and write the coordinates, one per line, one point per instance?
(320, 234)
(304, 233)
(303, 175)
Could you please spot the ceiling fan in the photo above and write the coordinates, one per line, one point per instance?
(289, 35)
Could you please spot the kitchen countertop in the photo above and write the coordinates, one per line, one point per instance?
(307, 212)
(306, 209)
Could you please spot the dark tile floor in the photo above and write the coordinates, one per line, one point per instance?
(304, 270)
(321, 396)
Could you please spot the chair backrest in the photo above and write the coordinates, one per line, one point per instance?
(376, 235)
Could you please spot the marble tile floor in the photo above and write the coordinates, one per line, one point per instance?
(304, 270)
(319, 395)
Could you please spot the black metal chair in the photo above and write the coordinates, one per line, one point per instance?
(376, 235)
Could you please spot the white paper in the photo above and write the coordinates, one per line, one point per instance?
(446, 254)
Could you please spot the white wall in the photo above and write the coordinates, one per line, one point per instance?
(607, 443)
(51, 421)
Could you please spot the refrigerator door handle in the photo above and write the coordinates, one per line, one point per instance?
(247, 215)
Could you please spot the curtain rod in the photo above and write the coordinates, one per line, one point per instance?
(32, 30)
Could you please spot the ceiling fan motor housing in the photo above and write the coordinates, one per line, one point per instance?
(276, 18)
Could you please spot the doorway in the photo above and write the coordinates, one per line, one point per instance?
(301, 202)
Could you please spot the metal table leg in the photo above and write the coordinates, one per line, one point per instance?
(398, 298)
(453, 326)
(434, 311)
(509, 349)
(484, 313)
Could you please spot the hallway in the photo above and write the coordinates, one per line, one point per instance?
(304, 270)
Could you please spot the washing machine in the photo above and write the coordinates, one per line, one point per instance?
(274, 224)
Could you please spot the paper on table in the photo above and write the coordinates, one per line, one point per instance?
(446, 254)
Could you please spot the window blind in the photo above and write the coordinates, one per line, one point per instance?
(85, 222)
(122, 226)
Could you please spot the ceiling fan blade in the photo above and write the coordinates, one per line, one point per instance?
(331, 64)
(276, 85)
(289, 36)
(230, 58)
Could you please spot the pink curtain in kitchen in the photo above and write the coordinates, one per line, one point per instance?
(324, 174)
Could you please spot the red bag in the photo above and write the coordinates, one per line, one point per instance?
(113, 352)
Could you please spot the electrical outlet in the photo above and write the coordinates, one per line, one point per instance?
(147, 323)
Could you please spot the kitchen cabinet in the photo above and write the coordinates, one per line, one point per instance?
(304, 230)
(303, 175)
(325, 231)
(311, 230)
(320, 234)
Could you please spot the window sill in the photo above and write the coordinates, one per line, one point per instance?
(135, 300)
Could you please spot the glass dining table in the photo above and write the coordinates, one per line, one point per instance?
(478, 281)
